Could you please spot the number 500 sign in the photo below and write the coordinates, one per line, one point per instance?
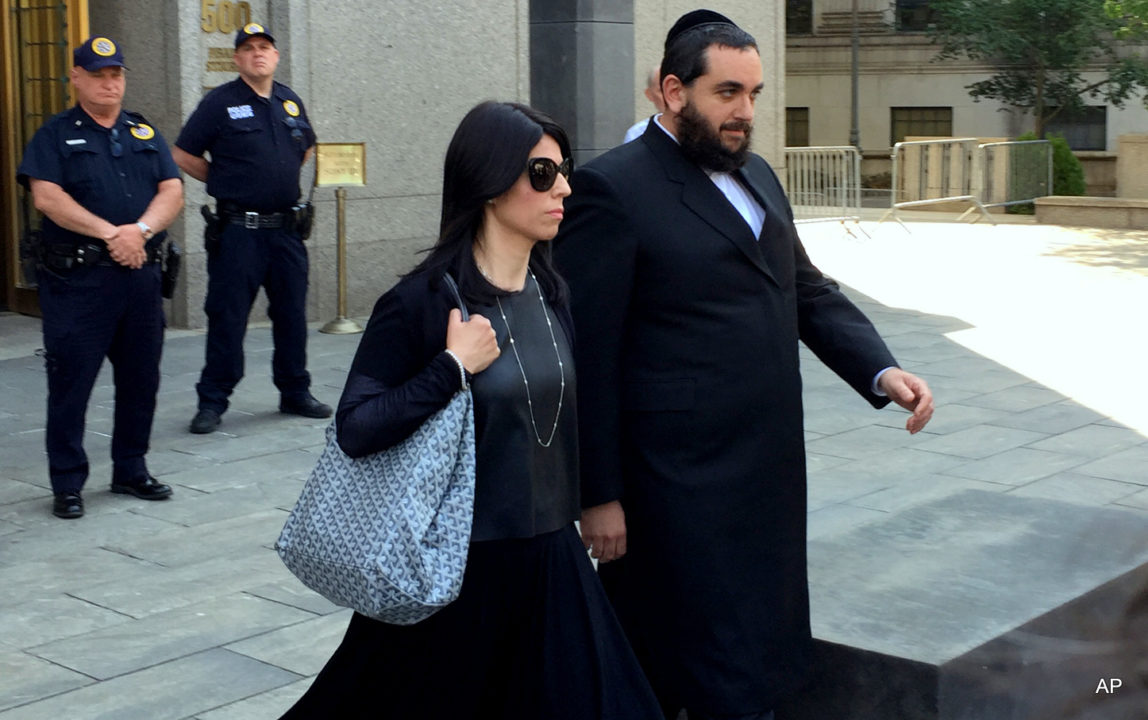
(224, 16)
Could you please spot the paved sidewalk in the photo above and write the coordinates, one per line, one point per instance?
(1032, 338)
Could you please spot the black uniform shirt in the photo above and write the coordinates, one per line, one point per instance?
(113, 172)
(257, 144)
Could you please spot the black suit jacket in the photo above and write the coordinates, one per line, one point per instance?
(690, 412)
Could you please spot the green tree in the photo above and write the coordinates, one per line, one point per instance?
(1132, 16)
(1041, 50)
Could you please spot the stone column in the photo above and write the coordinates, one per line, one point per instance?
(582, 69)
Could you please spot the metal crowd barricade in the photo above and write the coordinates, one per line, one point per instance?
(824, 183)
(930, 172)
(1015, 172)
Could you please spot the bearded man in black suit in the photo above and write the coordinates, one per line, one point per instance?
(690, 290)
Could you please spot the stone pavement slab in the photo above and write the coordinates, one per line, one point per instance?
(179, 689)
(187, 545)
(302, 648)
(981, 441)
(289, 591)
(150, 590)
(264, 706)
(935, 581)
(1092, 441)
(63, 572)
(1018, 466)
(1128, 465)
(1078, 489)
(25, 679)
(38, 620)
(127, 647)
(1053, 419)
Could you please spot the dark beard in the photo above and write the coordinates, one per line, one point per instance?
(703, 145)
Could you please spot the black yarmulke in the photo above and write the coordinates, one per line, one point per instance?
(693, 19)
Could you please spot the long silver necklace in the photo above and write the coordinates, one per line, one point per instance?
(521, 369)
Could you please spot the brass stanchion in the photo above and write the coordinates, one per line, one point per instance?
(341, 325)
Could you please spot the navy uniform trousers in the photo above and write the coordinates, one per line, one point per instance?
(246, 259)
(97, 312)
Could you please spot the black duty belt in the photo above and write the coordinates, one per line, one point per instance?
(257, 220)
(66, 256)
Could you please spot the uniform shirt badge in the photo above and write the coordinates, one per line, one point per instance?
(291, 107)
(238, 112)
(143, 132)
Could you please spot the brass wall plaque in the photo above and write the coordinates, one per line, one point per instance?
(340, 164)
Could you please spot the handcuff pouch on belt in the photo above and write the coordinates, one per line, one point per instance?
(171, 261)
(212, 228)
(303, 218)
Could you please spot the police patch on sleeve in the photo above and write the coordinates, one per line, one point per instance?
(103, 47)
(252, 28)
(143, 132)
(291, 107)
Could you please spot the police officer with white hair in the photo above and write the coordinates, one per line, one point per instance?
(106, 184)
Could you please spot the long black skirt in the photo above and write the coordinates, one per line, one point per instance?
(531, 637)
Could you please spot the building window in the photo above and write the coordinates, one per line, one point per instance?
(1086, 129)
(920, 122)
(798, 17)
(797, 127)
(913, 15)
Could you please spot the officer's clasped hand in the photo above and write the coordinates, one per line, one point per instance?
(126, 246)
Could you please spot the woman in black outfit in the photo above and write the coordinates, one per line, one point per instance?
(532, 635)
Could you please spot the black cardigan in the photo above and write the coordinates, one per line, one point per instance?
(401, 375)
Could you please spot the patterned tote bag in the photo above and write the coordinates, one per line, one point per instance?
(387, 534)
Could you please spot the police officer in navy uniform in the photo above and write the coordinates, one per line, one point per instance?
(258, 136)
(106, 184)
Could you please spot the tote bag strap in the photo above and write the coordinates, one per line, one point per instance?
(450, 283)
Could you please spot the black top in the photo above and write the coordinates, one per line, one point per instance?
(401, 375)
(115, 176)
(257, 144)
(523, 488)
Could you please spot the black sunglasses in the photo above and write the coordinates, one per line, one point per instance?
(114, 141)
(543, 172)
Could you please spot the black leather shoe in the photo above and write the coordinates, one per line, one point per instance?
(205, 421)
(68, 505)
(307, 406)
(146, 489)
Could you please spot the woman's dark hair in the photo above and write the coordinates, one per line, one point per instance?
(686, 54)
(486, 156)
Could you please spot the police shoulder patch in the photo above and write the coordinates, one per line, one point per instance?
(291, 107)
(143, 132)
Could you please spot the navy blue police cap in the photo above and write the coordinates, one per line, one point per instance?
(98, 52)
(249, 31)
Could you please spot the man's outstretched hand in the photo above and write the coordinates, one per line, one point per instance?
(911, 393)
